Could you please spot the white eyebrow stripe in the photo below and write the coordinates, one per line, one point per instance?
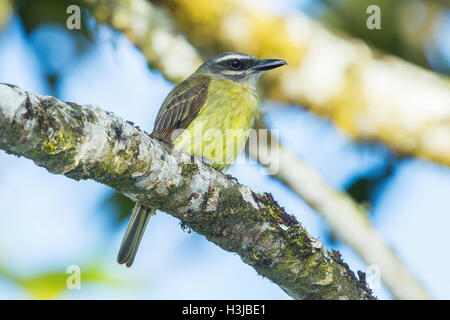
(231, 57)
(231, 72)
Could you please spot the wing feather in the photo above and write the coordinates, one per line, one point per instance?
(180, 107)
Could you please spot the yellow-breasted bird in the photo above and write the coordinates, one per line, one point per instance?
(208, 115)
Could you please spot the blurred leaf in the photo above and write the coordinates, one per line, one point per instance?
(351, 16)
(39, 16)
(52, 80)
(406, 25)
(120, 206)
(363, 188)
(35, 13)
(50, 285)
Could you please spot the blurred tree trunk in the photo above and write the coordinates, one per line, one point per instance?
(5, 12)
(368, 94)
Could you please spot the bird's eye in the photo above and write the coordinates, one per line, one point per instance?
(235, 64)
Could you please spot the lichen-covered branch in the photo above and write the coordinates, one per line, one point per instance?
(345, 218)
(368, 94)
(86, 142)
(125, 16)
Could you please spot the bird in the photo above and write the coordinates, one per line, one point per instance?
(208, 115)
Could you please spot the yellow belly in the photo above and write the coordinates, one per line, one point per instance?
(222, 126)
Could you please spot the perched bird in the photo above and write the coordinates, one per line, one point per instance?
(208, 115)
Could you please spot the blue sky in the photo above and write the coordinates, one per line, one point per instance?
(48, 222)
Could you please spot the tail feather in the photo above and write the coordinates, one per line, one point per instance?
(133, 235)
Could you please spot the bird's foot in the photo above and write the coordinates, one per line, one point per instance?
(230, 177)
(205, 160)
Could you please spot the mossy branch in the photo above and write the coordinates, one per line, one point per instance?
(86, 142)
(345, 218)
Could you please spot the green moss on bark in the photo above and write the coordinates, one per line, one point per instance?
(232, 216)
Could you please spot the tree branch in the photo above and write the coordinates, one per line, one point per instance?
(86, 142)
(125, 16)
(346, 219)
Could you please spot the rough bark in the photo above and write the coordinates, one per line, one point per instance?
(147, 26)
(86, 142)
(346, 219)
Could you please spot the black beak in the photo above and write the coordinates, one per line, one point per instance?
(267, 64)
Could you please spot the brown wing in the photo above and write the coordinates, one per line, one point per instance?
(180, 107)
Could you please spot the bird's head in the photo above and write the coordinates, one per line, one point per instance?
(239, 67)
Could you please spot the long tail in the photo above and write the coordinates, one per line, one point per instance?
(134, 233)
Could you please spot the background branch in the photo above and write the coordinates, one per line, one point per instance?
(5, 12)
(144, 24)
(86, 142)
(368, 94)
(346, 219)
(153, 31)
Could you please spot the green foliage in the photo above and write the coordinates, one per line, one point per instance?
(399, 19)
(35, 13)
(52, 284)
